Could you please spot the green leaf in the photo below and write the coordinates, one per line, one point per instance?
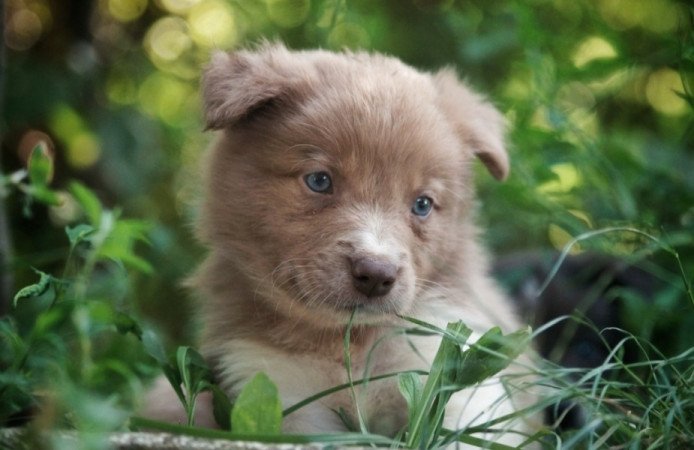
(126, 324)
(42, 193)
(34, 290)
(410, 385)
(221, 407)
(193, 369)
(88, 201)
(120, 243)
(492, 353)
(78, 234)
(258, 409)
(427, 418)
(40, 165)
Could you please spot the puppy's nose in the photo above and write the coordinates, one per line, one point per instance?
(373, 277)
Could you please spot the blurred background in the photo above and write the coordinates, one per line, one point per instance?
(597, 94)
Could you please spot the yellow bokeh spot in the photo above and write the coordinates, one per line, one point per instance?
(65, 123)
(661, 92)
(83, 150)
(288, 13)
(126, 10)
(165, 97)
(167, 40)
(560, 238)
(568, 178)
(591, 49)
(212, 24)
(178, 6)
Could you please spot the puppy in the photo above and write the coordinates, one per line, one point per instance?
(342, 182)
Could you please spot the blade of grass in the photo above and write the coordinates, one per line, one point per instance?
(141, 423)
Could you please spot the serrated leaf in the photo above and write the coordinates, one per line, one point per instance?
(79, 233)
(34, 290)
(257, 409)
(88, 201)
(40, 165)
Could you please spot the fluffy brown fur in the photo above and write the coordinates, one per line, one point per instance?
(287, 265)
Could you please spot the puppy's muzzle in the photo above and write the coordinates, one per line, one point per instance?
(373, 277)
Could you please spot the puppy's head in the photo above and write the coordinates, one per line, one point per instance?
(342, 181)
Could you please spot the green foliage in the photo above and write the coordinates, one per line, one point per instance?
(257, 409)
(598, 96)
(73, 356)
(453, 370)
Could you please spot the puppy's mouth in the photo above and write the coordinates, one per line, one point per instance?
(371, 288)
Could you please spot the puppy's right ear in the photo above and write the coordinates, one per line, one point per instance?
(237, 84)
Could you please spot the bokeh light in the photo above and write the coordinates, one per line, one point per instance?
(661, 91)
(177, 6)
(591, 49)
(212, 24)
(126, 10)
(167, 40)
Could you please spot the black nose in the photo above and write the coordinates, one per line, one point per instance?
(373, 277)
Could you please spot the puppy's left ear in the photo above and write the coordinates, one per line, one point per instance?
(478, 124)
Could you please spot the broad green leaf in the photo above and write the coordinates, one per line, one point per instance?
(40, 165)
(78, 234)
(34, 290)
(257, 409)
(492, 353)
(88, 201)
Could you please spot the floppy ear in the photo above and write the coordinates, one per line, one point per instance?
(479, 124)
(237, 84)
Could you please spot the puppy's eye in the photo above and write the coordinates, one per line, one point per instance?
(422, 206)
(319, 182)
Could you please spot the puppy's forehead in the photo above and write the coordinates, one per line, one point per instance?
(376, 112)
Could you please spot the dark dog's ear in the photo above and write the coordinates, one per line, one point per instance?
(237, 84)
(479, 125)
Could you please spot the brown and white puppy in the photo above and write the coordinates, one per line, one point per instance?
(343, 181)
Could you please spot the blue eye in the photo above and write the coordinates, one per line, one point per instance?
(422, 206)
(319, 182)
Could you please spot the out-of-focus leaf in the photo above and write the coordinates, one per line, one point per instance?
(78, 234)
(42, 194)
(40, 165)
(221, 407)
(119, 246)
(36, 289)
(88, 201)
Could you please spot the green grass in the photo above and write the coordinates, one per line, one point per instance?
(74, 356)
